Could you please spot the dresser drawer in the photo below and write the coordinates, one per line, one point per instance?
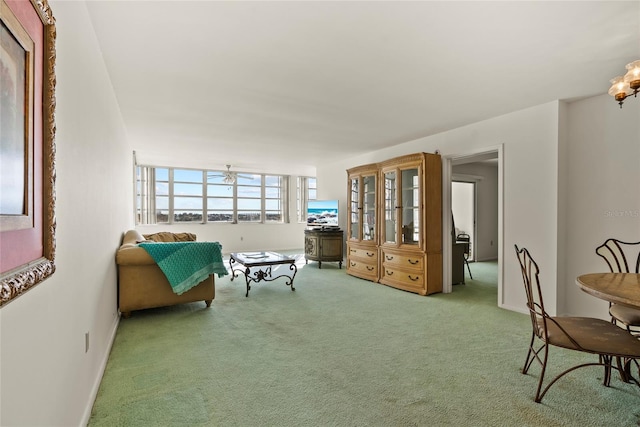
(368, 254)
(404, 279)
(362, 269)
(394, 260)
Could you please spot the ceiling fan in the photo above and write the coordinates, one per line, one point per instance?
(228, 177)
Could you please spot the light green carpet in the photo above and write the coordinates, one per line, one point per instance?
(341, 351)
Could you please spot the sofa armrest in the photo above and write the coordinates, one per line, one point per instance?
(133, 255)
(130, 253)
(132, 238)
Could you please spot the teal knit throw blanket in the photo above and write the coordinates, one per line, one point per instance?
(187, 263)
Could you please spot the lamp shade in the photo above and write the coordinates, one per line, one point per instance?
(632, 78)
(619, 88)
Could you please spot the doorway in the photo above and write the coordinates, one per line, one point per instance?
(486, 236)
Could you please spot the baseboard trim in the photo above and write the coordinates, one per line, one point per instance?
(517, 309)
(485, 259)
(103, 366)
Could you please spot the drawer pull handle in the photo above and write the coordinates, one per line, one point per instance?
(370, 254)
(353, 264)
(353, 251)
(389, 273)
(413, 262)
(412, 279)
(389, 258)
(370, 268)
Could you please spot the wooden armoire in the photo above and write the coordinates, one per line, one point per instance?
(394, 224)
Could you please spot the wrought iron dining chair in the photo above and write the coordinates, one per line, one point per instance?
(622, 257)
(465, 238)
(589, 335)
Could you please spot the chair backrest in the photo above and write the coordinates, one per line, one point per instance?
(465, 238)
(621, 257)
(530, 272)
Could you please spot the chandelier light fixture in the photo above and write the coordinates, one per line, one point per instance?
(627, 85)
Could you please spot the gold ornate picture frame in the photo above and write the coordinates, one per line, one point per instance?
(27, 213)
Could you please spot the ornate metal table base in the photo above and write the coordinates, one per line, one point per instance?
(261, 262)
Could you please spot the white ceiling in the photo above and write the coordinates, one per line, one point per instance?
(249, 83)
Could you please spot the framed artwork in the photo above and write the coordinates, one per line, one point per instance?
(27, 146)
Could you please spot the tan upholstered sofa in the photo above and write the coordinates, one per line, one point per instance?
(141, 283)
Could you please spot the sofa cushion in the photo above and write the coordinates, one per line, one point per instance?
(130, 253)
(165, 236)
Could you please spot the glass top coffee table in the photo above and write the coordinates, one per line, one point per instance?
(261, 263)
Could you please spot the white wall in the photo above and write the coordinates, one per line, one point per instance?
(603, 194)
(486, 245)
(241, 237)
(530, 139)
(46, 378)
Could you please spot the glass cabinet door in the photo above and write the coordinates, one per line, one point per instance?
(410, 212)
(390, 204)
(369, 207)
(354, 211)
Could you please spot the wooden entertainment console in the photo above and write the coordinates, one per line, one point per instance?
(323, 244)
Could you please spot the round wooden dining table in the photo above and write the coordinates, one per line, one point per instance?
(618, 288)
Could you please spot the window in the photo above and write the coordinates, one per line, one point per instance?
(273, 196)
(249, 198)
(160, 194)
(187, 195)
(143, 208)
(170, 195)
(306, 190)
(220, 199)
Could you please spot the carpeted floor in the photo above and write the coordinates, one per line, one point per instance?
(341, 351)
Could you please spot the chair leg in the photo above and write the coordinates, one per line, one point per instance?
(468, 268)
(607, 369)
(624, 368)
(529, 359)
(607, 360)
(539, 396)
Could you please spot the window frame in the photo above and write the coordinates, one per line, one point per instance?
(303, 195)
(145, 189)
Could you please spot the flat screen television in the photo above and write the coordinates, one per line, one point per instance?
(322, 212)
